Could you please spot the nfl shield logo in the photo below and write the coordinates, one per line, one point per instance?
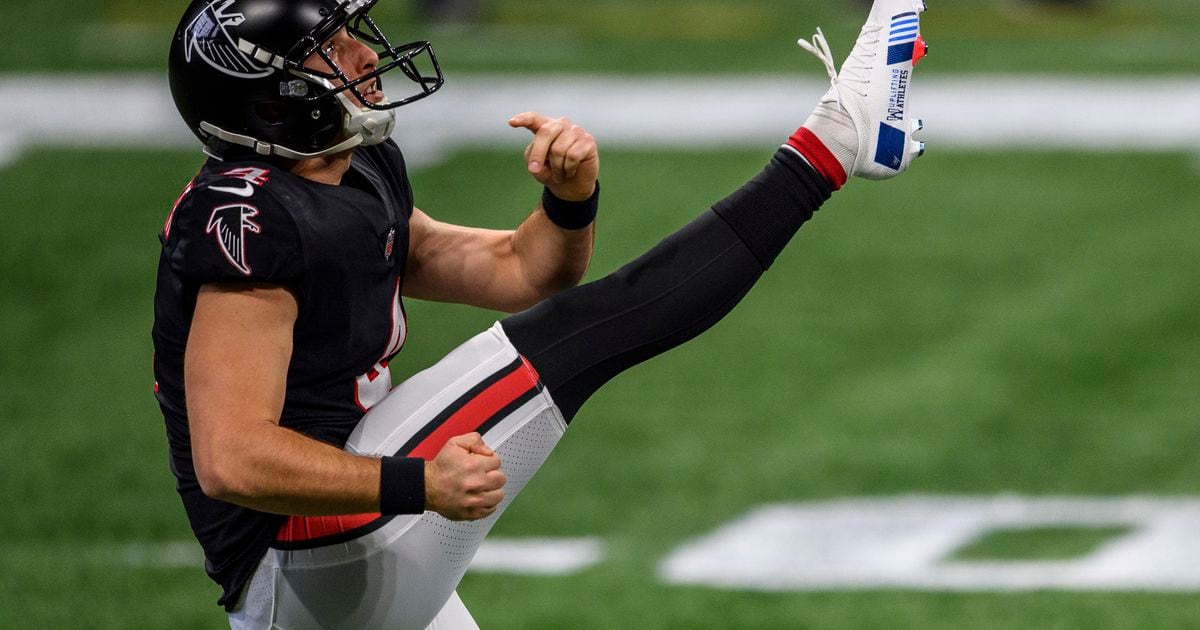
(390, 244)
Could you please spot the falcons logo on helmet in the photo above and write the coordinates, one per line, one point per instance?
(230, 224)
(206, 36)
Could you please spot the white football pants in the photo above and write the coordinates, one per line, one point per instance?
(400, 572)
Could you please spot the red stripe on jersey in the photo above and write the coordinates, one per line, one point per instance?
(175, 206)
(472, 415)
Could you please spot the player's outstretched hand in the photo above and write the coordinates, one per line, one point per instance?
(464, 482)
(563, 156)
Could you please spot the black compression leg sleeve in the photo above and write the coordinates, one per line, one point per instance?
(583, 337)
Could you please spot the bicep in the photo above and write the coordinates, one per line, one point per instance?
(451, 263)
(236, 362)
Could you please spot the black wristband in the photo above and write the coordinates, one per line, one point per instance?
(402, 485)
(571, 215)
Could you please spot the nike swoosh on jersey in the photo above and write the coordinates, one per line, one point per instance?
(246, 191)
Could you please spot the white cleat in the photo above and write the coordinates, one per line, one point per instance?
(865, 118)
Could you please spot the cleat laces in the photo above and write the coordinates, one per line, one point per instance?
(856, 72)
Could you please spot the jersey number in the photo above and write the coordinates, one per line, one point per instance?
(374, 385)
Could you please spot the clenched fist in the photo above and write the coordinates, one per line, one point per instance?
(464, 482)
(562, 157)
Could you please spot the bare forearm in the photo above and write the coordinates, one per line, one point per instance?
(273, 469)
(551, 259)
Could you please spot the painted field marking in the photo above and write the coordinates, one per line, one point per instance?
(523, 556)
(881, 543)
(908, 542)
(538, 556)
(161, 555)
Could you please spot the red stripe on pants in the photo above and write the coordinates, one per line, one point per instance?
(466, 420)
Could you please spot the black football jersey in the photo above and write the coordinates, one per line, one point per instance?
(341, 250)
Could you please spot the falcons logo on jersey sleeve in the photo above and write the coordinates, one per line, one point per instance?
(207, 36)
(230, 224)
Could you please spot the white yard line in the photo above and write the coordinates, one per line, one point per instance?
(972, 112)
(523, 556)
(161, 555)
(538, 556)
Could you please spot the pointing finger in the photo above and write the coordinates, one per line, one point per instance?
(532, 121)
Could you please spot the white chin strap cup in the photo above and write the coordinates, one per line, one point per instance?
(372, 125)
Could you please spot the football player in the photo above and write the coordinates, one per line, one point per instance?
(322, 497)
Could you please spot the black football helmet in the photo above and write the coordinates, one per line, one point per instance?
(238, 77)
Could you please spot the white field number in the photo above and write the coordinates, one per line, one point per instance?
(909, 543)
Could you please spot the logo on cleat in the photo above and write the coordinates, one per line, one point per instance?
(890, 150)
(899, 95)
(902, 38)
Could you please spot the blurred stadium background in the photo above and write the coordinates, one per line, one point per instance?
(1017, 317)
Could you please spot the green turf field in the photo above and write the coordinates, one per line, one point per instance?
(1010, 322)
(1121, 36)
